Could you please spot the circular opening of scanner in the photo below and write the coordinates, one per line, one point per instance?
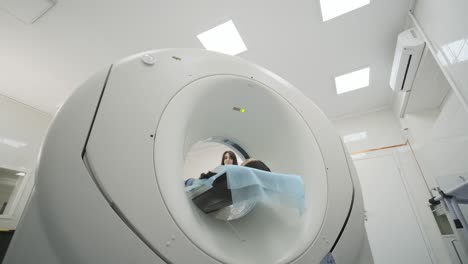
(267, 127)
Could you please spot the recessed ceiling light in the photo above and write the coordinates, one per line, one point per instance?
(355, 137)
(334, 8)
(21, 174)
(352, 81)
(358, 156)
(224, 38)
(12, 143)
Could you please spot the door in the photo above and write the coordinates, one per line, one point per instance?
(392, 228)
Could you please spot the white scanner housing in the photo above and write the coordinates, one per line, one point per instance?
(109, 188)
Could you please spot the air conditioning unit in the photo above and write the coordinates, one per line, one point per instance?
(408, 53)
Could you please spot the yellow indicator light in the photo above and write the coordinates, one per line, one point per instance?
(238, 109)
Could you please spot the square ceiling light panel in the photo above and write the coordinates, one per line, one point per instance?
(352, 81)
(224, 38)
(334, 8)
(355, 137)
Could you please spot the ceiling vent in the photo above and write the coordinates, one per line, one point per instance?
(408, 53)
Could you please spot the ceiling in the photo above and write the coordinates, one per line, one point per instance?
(43, 62)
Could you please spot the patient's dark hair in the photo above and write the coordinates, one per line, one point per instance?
(256, 164)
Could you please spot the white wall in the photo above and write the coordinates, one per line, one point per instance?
(440, 142)
(384, 129)
(440, 139)
(439, 136)
(439, 133)
(381, 128)
(445, 25)
(22, 129)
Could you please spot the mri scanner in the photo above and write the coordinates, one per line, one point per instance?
(109, 188)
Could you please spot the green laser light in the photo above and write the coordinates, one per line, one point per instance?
(238, 109)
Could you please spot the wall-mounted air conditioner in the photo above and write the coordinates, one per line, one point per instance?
(409, 49)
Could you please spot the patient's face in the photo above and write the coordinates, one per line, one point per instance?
(227, 159)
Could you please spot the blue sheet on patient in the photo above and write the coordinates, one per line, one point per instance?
(257, 185)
